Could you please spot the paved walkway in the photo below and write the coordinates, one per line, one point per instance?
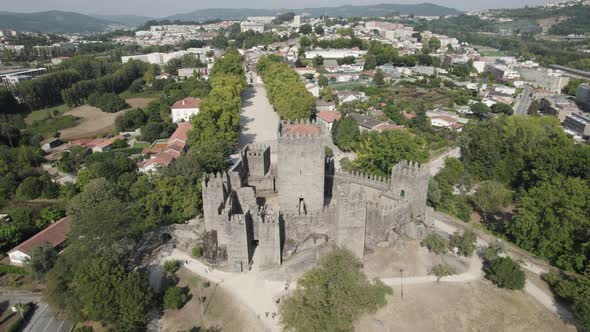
(258, 120)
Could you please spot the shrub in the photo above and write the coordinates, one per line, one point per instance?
(84, 329)
(170, 267)
(175, 297)
(435, 243)
(443, 270)
(197, 252)
(107, 102)
(505, 273)
(465, 243)
(13, 269)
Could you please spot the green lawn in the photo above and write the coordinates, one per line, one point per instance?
(488, 51)
(48, 126)
(141, 145)
(45, 113)
(144, 94)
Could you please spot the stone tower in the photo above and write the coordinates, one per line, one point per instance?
(409, 180)
(301, 168)
(215, 193)
(258, 160)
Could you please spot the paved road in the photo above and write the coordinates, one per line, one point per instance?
(523, 101)
(43, 320)
(258, 120)
(438, 163)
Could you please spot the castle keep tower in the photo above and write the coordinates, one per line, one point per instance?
(301, 167)
(409, 180)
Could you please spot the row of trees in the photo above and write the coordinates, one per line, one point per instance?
(116, 82)
(218, 123)
(46, 90)
(286, 91)
(107, 102)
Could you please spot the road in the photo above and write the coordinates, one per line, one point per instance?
(42, 320)
(438, 163)
(523, 101)
(258, 120)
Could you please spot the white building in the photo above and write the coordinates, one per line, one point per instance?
(183, 109)
(13, 77)
(548, 79)
(334, 53)
(252, 25)
(261, 19)
(54, 236)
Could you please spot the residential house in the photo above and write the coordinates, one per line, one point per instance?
(328, 118)
(53, 235)
(165, 154)
(50, 143)
(322, 105)
(183, 109)
(314, 89)
(367, 123)
(351, 96)
(445, 119)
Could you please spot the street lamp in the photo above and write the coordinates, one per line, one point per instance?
(401, 273)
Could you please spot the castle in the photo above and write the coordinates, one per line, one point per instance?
(258, 210)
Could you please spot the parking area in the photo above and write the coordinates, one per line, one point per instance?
(43, 320)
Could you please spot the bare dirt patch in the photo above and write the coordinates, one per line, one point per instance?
(94, 122)
(474, 306)
(222, 311)
(411, 257)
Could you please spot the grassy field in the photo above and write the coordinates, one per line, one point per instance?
(46, 113)
(473, 306)
(49, 126)
(144, 94)
(222, 311)
(488, 51)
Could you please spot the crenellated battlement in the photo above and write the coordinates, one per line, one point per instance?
(213, 180)
(364, 179)
(408, 169)
(300, 129)
(256, 150)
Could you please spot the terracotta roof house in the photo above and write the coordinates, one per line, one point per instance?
(183, 109)
(301, 129)
(54, 235)
(165, 155)
(328, 118)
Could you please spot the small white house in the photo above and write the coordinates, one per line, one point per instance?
(183, 109)
(54, 236)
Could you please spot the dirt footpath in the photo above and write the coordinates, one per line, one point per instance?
(94, 122)
(473, 306)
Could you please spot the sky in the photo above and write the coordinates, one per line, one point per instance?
(161, 8)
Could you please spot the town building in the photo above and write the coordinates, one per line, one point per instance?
(192, 72)
(183, 109)
(578, 124)
(583, 97)
(53, 235)
(548, 79)
(252, 26)
(164, 154)
(501, 72)
(334, 53)
(328, 118)
(13, 77)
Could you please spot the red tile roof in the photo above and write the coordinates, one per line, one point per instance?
(329, 116)
(188, 102)
(181, 133)
(388, 126)
(302, 129)
(54, 235)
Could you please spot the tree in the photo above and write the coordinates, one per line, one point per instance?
(175, 298)
(93, 193)
(435, 243)
(502, 108)
(480, 108)
(305, 29)
(304, 42)
(443, 270)
(318, 61)
(328, 94)
(379, 77)
(346, 133)
(465, 243)
(434, 44)
(319, 30)
(323, 81)
(505, 273)
(490, 197)
(332, 296)
(42, 259)
(379, 152)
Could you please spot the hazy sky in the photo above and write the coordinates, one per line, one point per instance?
(160, 8)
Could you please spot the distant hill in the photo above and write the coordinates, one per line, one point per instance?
(128, 20)
(423, 9)
(53, 22)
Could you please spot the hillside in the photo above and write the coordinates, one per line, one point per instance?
(424, 9)
(128, 20)
(52, 21)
